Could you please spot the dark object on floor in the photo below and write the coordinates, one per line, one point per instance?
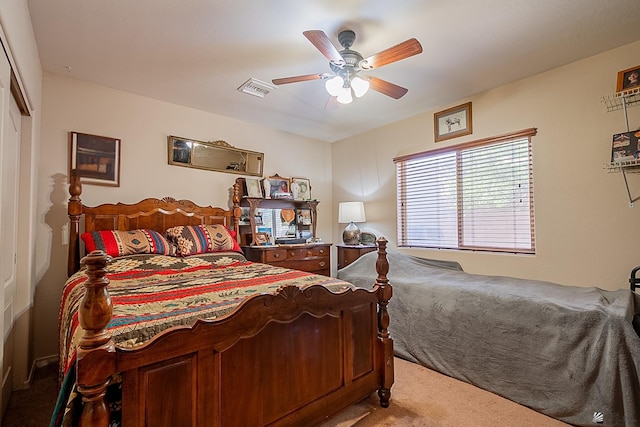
(33, 406)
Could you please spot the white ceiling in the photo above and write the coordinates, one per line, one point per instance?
(196, 53)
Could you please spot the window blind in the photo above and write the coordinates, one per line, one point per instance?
(476, 196)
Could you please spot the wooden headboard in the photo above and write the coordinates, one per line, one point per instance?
(154, 214)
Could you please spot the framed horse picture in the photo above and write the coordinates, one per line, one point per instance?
(452, 122)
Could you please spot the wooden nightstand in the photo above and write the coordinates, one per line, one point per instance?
(349, 253)
(314, 258)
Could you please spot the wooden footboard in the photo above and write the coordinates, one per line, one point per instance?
(293, 358)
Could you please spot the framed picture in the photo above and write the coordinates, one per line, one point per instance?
(96, 159)
(453, 122)
(287, 216)
(301, 188)
(628, 79)
(253, 188)
(279, 187)
(257, 217)
(262, 238)
(304, 217)
(625, 146)
(245, 219)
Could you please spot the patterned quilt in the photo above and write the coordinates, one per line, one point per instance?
(151, 293)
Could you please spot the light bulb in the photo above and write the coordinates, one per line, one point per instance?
(359, 86)
(334, 85)
(344, 97)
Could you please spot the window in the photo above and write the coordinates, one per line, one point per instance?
(476, 196)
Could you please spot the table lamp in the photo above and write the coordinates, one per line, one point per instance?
(351, 212)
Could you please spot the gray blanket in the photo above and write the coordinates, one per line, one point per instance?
(567, 352)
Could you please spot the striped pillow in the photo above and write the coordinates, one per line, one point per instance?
(199, 239)
(120, 243)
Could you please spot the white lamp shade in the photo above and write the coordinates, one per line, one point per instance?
(359, 86)
(351, 212)
(345, 96)
(334, 85)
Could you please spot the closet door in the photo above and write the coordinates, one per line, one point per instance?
(9, 169)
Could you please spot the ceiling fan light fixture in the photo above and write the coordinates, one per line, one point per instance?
(360, 86)
(344, 97)
(334, 85)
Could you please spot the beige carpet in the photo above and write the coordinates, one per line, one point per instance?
(421, 397)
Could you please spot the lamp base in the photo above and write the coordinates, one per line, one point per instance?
(351, 234)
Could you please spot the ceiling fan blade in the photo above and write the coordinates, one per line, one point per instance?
(387, 88)
(296, 79)
(320, 40)
(395, 53)
(332, 103)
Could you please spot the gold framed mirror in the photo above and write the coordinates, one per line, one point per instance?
(216, 156)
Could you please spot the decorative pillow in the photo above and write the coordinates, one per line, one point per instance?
(199, 239)
(120, 243)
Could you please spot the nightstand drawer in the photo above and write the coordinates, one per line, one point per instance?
(348, 253)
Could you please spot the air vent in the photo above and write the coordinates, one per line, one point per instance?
(256, 87)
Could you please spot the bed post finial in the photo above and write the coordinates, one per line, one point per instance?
(96, 351)
(74, 210)
(385, 292)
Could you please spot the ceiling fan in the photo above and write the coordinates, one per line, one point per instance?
(346, 64)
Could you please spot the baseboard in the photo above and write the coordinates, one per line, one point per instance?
(40, 363)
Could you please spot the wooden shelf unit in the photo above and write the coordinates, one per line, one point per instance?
(310, 257)
(248, 231)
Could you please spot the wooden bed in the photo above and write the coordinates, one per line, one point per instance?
(290, 358)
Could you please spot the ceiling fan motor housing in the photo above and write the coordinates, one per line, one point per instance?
(346, 38)
(352, 59)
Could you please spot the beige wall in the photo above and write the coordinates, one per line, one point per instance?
(143, 125)
(586, 233)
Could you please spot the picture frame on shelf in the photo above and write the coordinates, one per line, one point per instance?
(304, 216)
(453, 122)
(301, 188)
(267, 231)
(262, 239)
(279, 187)
(96, 159)
(287, 216)
(257, 217)
(628, 79)
(254, 189)
(245, 219)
